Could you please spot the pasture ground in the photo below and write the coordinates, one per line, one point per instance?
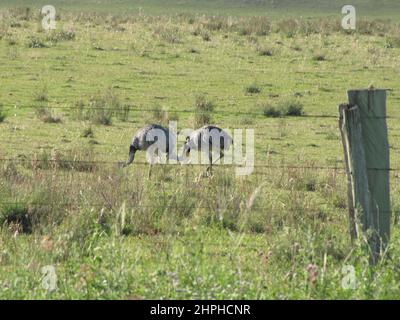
(73, 99)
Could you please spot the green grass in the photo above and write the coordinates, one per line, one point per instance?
(277, 9)
(3, 115)
(113, 233)
(290, 108)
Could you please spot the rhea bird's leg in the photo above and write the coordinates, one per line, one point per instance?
(221, 155)
(209, 168)
(151, 161)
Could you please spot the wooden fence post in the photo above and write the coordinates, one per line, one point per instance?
(350, 133)
(365, 141)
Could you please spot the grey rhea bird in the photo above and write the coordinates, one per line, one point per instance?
(153, 138)
(208, 139)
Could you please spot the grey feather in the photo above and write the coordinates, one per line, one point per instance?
(148, 136)
(208, 139)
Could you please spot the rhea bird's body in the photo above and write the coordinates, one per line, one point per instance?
(208, 139)
(154, 137)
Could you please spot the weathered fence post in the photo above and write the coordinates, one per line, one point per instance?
(366, 148)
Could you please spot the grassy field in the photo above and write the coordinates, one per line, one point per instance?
(386, 9)
(72, 99)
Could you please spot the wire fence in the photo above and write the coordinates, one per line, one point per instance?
(270, 165)
(230, 165)
(135, 108)
(182, 206)
(38, 154)
(143, 163)
(216, 207)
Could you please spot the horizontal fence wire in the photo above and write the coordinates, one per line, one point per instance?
(94, 143)
(90, 148)
(11, 143)
(167, 205)
(273, 136)
(139, 206)
(136, 109)
(115, 157)
(166, 164)
(136, 205)
(224, 112)
(215, 112)
(270, 166)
